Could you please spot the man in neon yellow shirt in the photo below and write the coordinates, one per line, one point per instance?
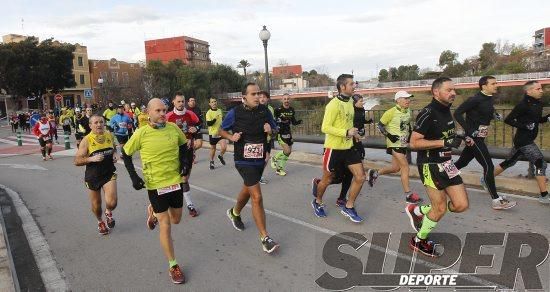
(108, 114)
(395, 124)
(160, 143)
(338, 128)
(214, 117)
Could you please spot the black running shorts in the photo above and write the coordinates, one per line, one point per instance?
(121, 139)
(433, 176)
(402, 150)
(213, 141)
(161, 203)
(251, 174)
(97, 183)
(43, 142)
(336, 160)
(285, 139)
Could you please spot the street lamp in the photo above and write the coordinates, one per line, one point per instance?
(264, 36)
(100, 81)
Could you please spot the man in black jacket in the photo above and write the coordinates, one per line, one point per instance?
(479, 112)
(526, 117)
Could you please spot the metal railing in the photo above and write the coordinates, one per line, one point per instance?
(397, 84)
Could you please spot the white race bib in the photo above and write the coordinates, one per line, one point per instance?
(168, 189)
(450, 168)
(255, 151)
(483, 131)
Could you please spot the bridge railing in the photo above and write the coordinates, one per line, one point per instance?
(500, 134)
(397, 84)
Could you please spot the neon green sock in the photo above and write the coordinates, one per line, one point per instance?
(278, 156)
(283, 160)
(425, 209)
(172, 263)
(235, 213)
(427, 226)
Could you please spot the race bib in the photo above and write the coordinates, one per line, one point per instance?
(168, 189)
(483, 131)
(450, 168)
(403, 140)
(66, 122)
(46, 138)
(253, 150)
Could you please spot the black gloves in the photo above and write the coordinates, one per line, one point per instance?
(393, 138)
(361, 132)
(137, 182)
(184, 162)
(369, 121)
(453, 142)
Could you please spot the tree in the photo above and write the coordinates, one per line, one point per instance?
(244, 64)
(383, 75)
(315, 79)
(487, 56)
(29, 68)
(447, 58)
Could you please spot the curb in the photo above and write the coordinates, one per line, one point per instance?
(52, 277)
(516, 185)
(8, 275)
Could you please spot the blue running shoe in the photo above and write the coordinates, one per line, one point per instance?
(351, 214)
(319, 209)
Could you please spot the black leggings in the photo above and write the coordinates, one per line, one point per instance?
(480, 152)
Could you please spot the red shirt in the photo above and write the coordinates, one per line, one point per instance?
(43, 129)
(189, 119)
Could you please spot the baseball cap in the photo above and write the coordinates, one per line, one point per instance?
(77, 109)
(402, 93)
(120, 106)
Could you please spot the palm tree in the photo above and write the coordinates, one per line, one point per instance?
(243, 64)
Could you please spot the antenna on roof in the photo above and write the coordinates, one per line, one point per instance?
(23, 24)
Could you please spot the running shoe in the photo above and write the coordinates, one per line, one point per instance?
(192, 211)
(235, 220)
(212, 165)
(269, 245)
(503, 204)
(483, 184)
(372, 176)
(151, 219)
(110, 220)
(50, 157)
(341, 202)
(423, 246)
(544, 200)
(273, 161)
(263, 181)
(416, 221)
(222, 161)
(351, 214)
(413, 198)
(44, 158)
(177, 275)
(103, 229)
(314, 184)
(280, 172)
(319, 209)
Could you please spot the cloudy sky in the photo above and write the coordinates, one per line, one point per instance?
(330, 36)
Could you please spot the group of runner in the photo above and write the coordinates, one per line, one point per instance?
(168, 140)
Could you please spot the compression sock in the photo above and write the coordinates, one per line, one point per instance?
(283, 159)
(187, 197)
(427, 226)
(172, 263)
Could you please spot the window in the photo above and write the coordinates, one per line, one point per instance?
(81, 78)
(125, 79)
(114, 77)
(80, 63)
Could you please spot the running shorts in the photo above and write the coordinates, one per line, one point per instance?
(161, 203)
(96, 184)
(251, 174)
(433, 175)
(402, 150)
(336, 160)
(285, 139)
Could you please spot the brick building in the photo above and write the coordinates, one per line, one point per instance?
(189, 50)
(121, 81)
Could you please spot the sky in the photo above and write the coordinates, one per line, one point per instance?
(331, 37)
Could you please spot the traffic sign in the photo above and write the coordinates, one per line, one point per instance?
(58, 97)
(88, 93)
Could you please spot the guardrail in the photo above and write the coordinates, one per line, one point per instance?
(411, 83)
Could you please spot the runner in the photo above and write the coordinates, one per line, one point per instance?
(214, 120)
(108, 114)
(197, 136)
(479, 112)
(526, 117)
(285, 116)
(143, 117)
(65, 120)
(395, 125)
(187, 121)
(250, 123)
(82, 124)
(264, 99)
(97, 152)
(159, 143)
(434, 137)
(119, 124)
(53, 122)
(14, 122)
(130, 114)
(43, 130)
(339, 130)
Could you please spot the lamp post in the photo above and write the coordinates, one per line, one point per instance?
(100, 82)
(264, 36)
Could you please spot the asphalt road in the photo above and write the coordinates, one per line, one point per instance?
(214, 255)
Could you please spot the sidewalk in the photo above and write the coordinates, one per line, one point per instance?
(8, 280)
